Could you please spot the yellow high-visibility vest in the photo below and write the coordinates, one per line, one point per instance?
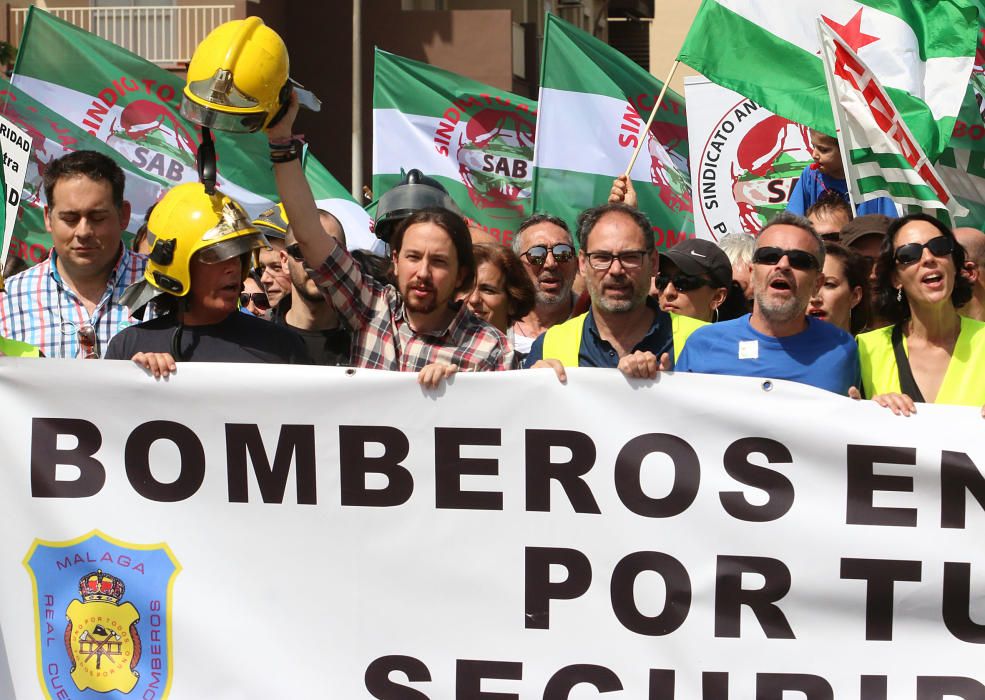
(563, 341)
(964, 380)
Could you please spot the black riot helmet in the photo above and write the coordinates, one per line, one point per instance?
(416, 191)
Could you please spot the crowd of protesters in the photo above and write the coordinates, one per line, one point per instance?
(880, 307)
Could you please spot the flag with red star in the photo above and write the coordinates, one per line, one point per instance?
(922, 53)
(881, 157)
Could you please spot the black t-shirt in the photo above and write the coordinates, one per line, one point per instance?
(239, 338)
(325, 347)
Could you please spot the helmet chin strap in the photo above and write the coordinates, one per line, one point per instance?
(206, 161)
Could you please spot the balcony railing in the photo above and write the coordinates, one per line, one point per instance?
(164, 34)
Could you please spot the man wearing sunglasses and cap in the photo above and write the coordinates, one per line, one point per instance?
(544, 245)
(778, 340)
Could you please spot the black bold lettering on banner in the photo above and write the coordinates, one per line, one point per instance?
(378, 681)
(628, 475)
(469, 675)
(449, 466)
(45, 458)
(776, 485)
(295, 440)
(561, 683)
(880, 576)
(677, 603)
(772, 686)
(874, 688)
(355, 465)
(949, 687)
(540, 470)
(539, 590)
(958, 476)
(714, 685)
(136, 458)
(661, 684)
(957, 603)
(730, 596)
(863, 482)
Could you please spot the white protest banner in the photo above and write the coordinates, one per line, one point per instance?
(745, 160)
(245, 531)
(16, 147)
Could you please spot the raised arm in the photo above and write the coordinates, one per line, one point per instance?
(296, 195)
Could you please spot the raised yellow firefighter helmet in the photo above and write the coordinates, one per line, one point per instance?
(238, 78)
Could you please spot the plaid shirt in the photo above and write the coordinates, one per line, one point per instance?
(382, 337)
(40, 309)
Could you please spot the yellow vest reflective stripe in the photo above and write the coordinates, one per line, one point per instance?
(964, 380)
(15, 348)
(563, 341)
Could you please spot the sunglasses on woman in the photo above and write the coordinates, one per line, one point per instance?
(259, 300)
(939, 247)
(799, 259)
(537, 255)
(682, 283)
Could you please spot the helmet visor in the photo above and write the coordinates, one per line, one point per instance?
(221, 90)
(232, 248)
(222, 121)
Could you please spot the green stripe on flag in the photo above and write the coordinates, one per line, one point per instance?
(899, 191)
(883, 160)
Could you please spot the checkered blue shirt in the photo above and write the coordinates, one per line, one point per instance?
(40, 309)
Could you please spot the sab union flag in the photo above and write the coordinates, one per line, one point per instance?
(477, 140)
(102, 617)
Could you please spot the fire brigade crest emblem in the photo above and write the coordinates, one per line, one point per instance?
(115, 599)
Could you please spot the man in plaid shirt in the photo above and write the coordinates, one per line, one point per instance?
(68, 305)
(417, 325)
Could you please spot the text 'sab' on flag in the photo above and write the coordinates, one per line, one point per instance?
(475, 139)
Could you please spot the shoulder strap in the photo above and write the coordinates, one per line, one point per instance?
(907, 383)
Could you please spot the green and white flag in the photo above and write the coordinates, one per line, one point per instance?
(594, 103)
(882, 157)
(52, 136)
(922, 52)
(131, 105)
(962, 164)
(477, 140)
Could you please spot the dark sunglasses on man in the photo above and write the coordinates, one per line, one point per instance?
(799, 259)
(939, 247)
(682, 283)
(294, 250)
(537, 255)
(259, 300)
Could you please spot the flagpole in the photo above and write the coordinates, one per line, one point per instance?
(646, 130)
(836, 114)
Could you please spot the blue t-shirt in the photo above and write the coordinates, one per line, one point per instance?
(823, 355)
(812, 183)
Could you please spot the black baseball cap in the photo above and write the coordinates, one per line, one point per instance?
(697, 256)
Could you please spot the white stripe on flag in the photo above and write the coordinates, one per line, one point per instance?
(408, 141)
(580, 132)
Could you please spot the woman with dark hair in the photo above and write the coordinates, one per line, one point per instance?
(843, 298)
(503, 293)
(930, 353)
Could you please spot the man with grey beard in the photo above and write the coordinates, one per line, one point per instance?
(778, 340)
(973, 242)
(544, 245)
(307, 312)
